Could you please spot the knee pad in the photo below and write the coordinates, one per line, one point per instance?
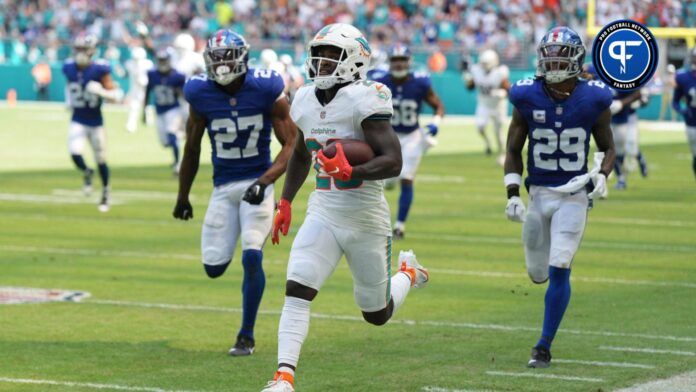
(379, 317)
(213, 257)
(532, 237)
(214, 271)
(298, 290)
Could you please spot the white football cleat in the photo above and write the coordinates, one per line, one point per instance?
(409, 265)
(282, 382)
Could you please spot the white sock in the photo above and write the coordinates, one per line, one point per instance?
(286, 369)
(400, 225)
(293, 329)
(400, 285)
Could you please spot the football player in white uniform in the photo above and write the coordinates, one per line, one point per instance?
(492, 81)
(347, 214)
(137, 67)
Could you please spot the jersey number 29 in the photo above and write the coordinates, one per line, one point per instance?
(570, 141)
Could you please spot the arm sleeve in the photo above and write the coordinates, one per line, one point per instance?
(189, 93)
(295, 110)
(105, 69)
(604, 99)
(377, 99)
(515, 95)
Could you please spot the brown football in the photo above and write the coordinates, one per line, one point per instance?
(357, 151)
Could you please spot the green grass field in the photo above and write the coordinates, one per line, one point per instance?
(154, 320)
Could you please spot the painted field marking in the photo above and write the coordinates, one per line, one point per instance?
(440, 389)
(539, 375)
(482, 274)
(53, 199)
(604, 364)
(685, 382)
(92, 385)
(648, 350)
(487, 327)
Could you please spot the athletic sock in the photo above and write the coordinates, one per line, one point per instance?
(400, 285)
(556, 302)
(173, 142)
(79, 162)
(104, 174)
(292, 329)
(618, 165)
(405, 200)
(252, 289)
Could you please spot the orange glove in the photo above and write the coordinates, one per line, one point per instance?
(338, 166)
(282, 220)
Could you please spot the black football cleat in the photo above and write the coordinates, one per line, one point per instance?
(398, 234)
(243, 347)
(541, 358)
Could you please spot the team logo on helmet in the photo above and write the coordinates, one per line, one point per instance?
(625, 55)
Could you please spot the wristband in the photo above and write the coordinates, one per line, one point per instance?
(512, 179)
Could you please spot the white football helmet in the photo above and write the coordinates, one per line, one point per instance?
(138, 53)
(268, 57)
(184, 42)
(352, 63)
(488, 60)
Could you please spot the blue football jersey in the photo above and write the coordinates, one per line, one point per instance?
(559, 132)
(239, 125)
(86, 106)
(407, 99)
(622, 116)
(166, 87)
(686, 88)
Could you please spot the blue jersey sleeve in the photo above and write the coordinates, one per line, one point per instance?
(66, 66)
(103, 69)
(423, 79)
(191, 91)
(180, 80)
(276, 85)
(602, 94)
(518, 92)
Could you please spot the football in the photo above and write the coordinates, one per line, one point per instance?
(357, 151)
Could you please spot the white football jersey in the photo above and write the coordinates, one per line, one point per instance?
(357, 204)
(486, 82)
(137, 74)
(190, 63)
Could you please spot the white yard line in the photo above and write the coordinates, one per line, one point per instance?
(74, 384)
(648, 350)
(512, 275)
(430, 323)
(544, 375)
(444, 271)
(478, 239)
(53, 199)
(603, 364)
(685, 382)
(440, 389)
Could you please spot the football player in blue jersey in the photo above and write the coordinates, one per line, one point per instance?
(409, 90)
(88, 82)
(686, 90)
(167, 85)
(557, 112)
(624, 126)
(238, 106)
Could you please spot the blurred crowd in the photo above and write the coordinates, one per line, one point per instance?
(32, 30)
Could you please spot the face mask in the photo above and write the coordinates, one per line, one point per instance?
(400, 73)
(81, 58)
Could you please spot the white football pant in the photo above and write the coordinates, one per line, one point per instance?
(79, 134)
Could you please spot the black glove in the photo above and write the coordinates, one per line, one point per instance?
(183, 210)
(255, 193)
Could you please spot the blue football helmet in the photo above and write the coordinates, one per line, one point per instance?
(561, 55)
(226, 56)
(164, 60)
(84, 48)
(399, 60)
